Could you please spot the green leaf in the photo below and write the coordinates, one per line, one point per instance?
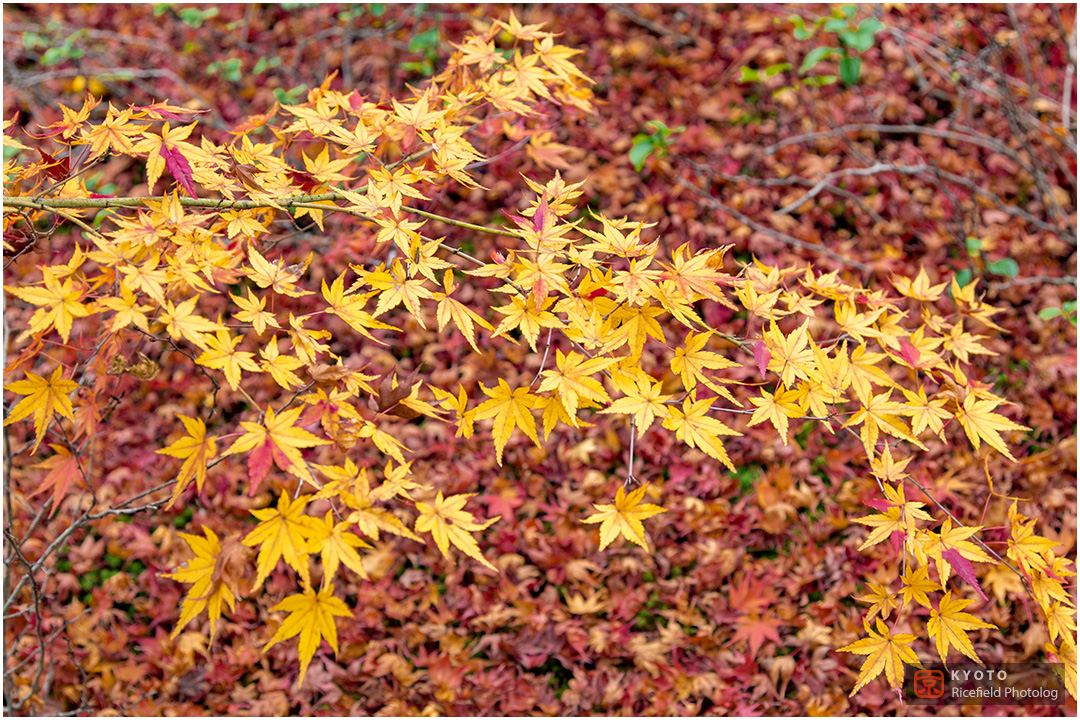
(871, 25)
(424, 41)
(835, 25)
(801, 31)
(748, 75)
(1050, 312)
(963, 278)
(850, 69)
(863, 38)
(819, 80)
(848, 10)
(289, 97)
(643, 147)
(53, 56)
(32, 41)
(660, 127)
(1005, 267)
(778, 68)
(974, 245)
(815, 56)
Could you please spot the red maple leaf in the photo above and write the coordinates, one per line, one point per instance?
(755, 630)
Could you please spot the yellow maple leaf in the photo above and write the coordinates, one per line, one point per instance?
(624, 517)
(791, 356)
(557, 58)
(881, 599)
(948, 625)
(695, 276)
(450, 524)
(637, 325)
(324, 169)
(856, 324)
(59, 302)
(1025, 547)
(43, 398)
(196, 450)
(181, 322)
(1065, 667)
(396, 288)
(115, 133)
(146, 277)
(275, 275)
(128, 310)
(691, 360)
(694, 427)
(879, 413)
(523, 314)
(1061, 621)
(281, 366)
(253, 310)
(510, 408)
(336, 545)
(282, 533)
(206, 592)
(885, 652)
(349, 308)
(916, 585)
(644, 401)
(573, 381)
(371, 519)
(277, 440)
(948, 538)
(926, 412)
(776, 408)
(168, 148)
(865, 374)
(981, 423)
(311, 616)
(463, 317)
(459, 404)
(221, 354)
(919, 288)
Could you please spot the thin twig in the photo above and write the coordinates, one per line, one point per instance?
(776, 234)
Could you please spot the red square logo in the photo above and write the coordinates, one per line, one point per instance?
(929, 684)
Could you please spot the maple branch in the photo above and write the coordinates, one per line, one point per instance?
(37, 622)
(928, 173)
(679, 39)
(86, 168)
(1024, 57)
(781, 182)
(462, 223)
(775, 234)
(543, 360)
(826, 180)
(952, 517)
(189, 356)
(442, 244)
(1035, 280)
(973, 138)
(633, 435)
